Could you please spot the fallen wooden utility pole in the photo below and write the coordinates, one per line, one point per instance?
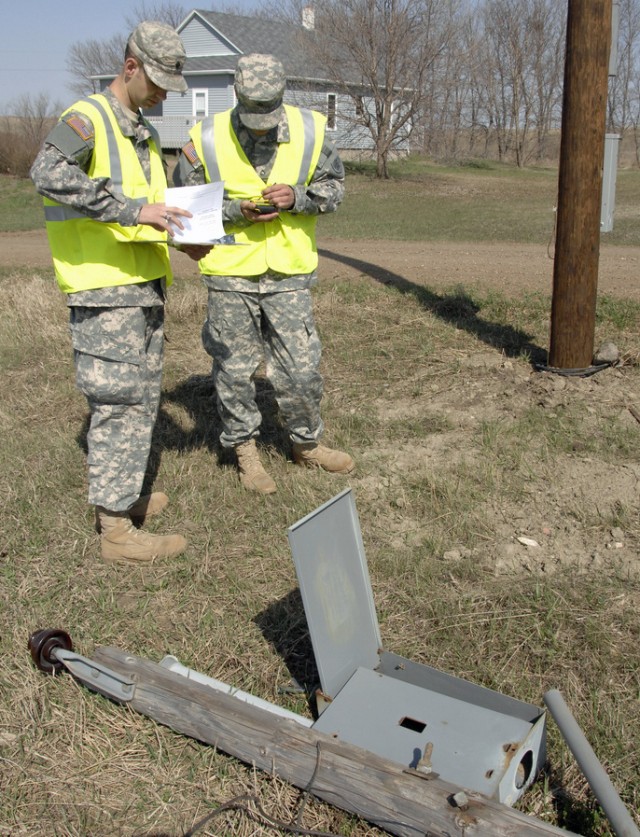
(400, 801)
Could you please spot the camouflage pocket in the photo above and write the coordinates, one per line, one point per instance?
(106, 354)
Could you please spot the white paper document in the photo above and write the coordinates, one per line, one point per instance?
(205, 204)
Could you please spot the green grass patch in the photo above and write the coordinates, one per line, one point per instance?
(477, 200)
(20, 205)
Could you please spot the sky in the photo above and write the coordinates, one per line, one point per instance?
(36, 37)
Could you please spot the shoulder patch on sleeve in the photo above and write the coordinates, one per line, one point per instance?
(81, 128)
(189, 151)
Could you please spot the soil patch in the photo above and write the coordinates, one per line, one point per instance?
(512, 268)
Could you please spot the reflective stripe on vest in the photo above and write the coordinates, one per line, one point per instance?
(286, 244)
(89, 254)
(61, 212)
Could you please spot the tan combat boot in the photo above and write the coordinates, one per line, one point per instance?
(144, 507)
(122, 543)
(252, 474)
(318, 456)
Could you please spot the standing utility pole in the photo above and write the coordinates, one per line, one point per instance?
(575, 271)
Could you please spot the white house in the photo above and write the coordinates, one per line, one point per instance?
(215, 40)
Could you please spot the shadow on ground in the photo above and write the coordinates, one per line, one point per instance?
(196, 396)
(284, 625)
(457, 309)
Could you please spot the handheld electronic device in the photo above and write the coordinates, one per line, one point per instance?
(266, 208)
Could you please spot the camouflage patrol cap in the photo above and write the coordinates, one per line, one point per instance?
(162, 53)
(259, 86)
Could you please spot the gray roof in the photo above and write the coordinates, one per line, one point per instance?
(287, 41)
(257, 34)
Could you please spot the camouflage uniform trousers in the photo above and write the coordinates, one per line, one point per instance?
(118, 358)
(243, 329)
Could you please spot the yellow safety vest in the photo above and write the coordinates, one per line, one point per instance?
(286, 244)
(91, 254)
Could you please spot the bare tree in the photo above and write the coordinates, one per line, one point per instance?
(621, 104)
(505, 51)
(476, 109)
(22, 133)
(91, 58)
(546, 25)
(522, 56)
(450, 106)
(497, 88)
(377, 54)
(167, 12)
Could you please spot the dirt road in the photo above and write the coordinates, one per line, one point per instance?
(510, 267)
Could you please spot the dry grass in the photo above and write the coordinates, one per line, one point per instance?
(451, 456)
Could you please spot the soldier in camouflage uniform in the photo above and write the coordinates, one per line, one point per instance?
(280, 172)
(102, 176)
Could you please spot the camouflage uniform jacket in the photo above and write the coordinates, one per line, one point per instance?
(59, 172)
(323, 194)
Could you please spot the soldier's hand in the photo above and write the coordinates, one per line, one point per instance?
(196, 251)
(162, 217)
(280, 195)
(251, 212)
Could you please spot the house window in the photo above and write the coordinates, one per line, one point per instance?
(200, 103)
(331, 111)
